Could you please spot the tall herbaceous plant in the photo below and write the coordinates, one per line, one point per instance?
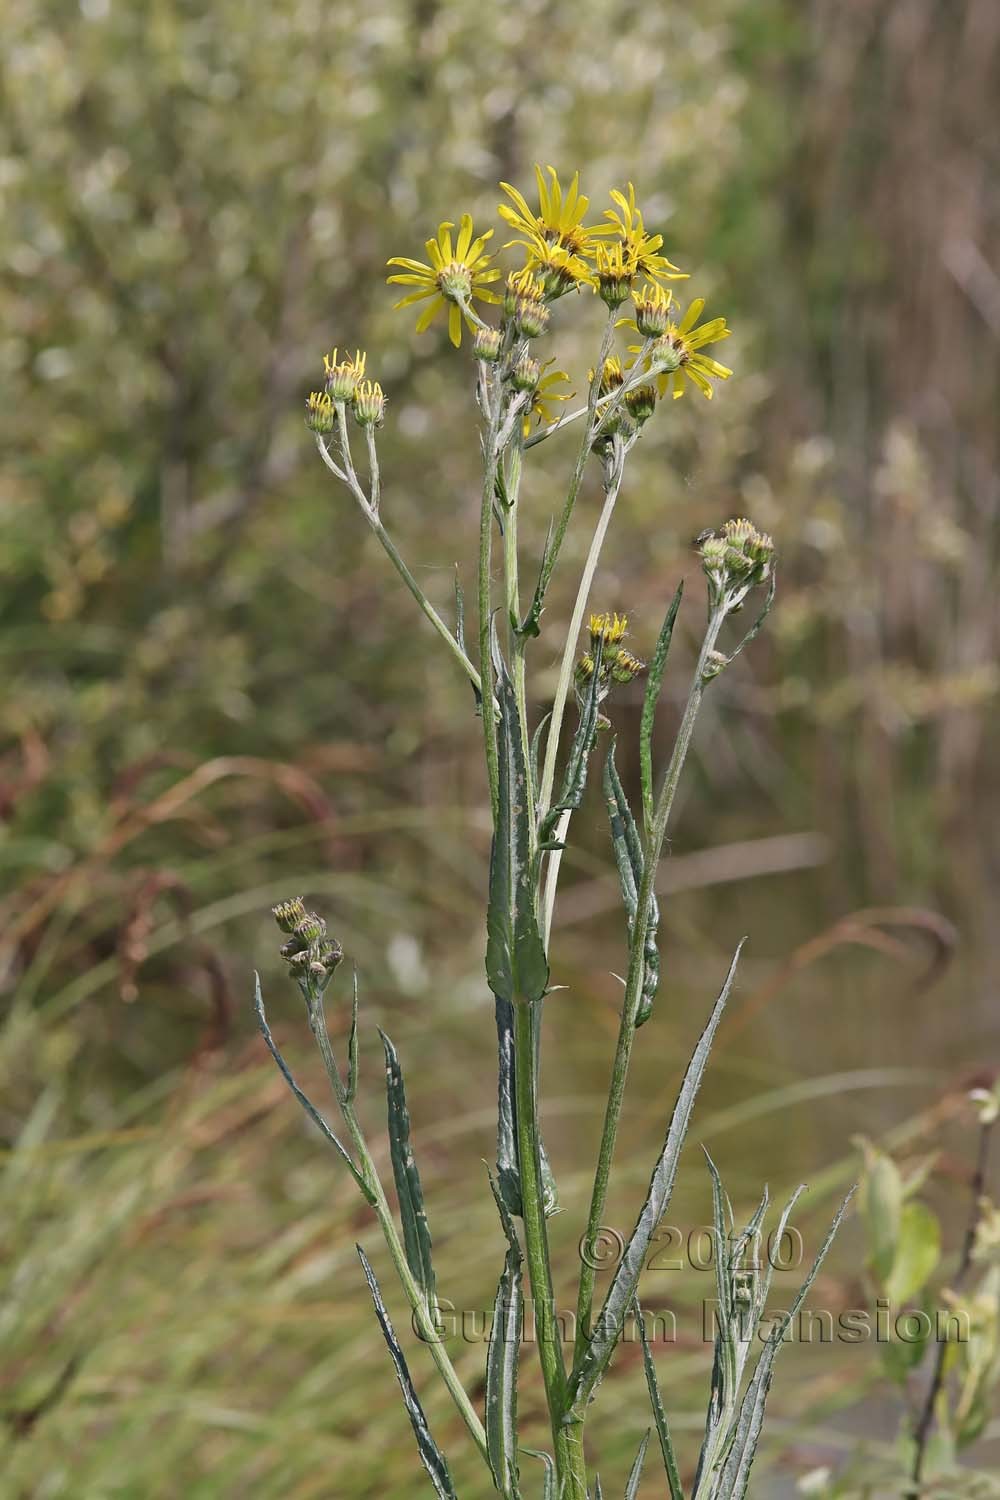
(653, 349)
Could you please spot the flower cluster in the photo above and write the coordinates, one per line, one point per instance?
(736, 559)
(311, 954)
(345, 388)
(608, 656)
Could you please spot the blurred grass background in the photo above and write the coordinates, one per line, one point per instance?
(215, 693)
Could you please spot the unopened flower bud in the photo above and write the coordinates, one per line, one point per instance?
(641, 403)
(309, 930)
(319, 412)
(625, 666)
(369, 404)
(526, 374)
(486, 345)
(714, 664)
(615, 270)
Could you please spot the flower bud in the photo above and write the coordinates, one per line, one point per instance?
(369, 404)
(486, 345)
(611, 629)
(526, 374)
(625, 666)
(288, 914)
(524, 303)
(714, 664)
(615, 270)
(319, 412)
(641, 403)
(344, 375)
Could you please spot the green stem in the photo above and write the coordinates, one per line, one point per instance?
(389, 547)
(485, 594)
(633, 983)
(611, 493)
(569, 1454)
(429, 1334)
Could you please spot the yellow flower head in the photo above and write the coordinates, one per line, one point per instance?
(611, 629)
(612, 375)
(642, 248)
(678, 358)
(455, 276)
(559, 270)
(319, 412)
(544, 409)
(559, 220)
(369, 404)
(524, 301)
(652, 310)
(343, 375)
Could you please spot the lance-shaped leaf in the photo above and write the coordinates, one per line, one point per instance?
(431, 1455)
(515, 955)
(352, 1046)
(654, 681)
(416, 1232)
(634, 1478)
(303, 1099)
(631, 865)
(508, 1169)
(549, 1486)
(623, 1287)
(460, 630)
(531, 624)
(502, 1361)
(575, 777)
(735, 1476)
(659, 1415)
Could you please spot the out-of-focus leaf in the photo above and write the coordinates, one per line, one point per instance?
(631, 864)
(881, 1202)
(918, 1250)
(654, 681)
(416, 1231)
(502, 1361)
(626, 1279)
(352, 1046)
(431, 1455)
(515, 956)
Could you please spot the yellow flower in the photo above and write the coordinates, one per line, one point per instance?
(643, 248)
(683, 342)
(558, 269)
(677, 357)
(559, 220)
(455, 276)
(612, 375)
(543, 409)
(609, 628)
(615, 270)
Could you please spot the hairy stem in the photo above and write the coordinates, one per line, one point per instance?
(633, 983)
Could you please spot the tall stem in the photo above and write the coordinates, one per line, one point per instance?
(569, 1453)
(485, 592)
(612, 491)
(633, 983)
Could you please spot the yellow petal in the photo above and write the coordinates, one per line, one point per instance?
(429, 313)
(692, 315)
(464, 237)
(415, 297)
(455, 324)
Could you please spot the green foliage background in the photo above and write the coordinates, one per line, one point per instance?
(216, 694)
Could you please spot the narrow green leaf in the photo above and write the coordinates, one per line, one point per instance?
(515, 956)
(502, 1361)
(918, 1250)
(536, 749)
(549, 1490)
(659, 1415)
(303, 1099)
(432, 1457)
(578, 760)
(631, 864)
(634, 1478)
(736, 1473)
(654, 682)
(416, 1232)
(626, 1279)
(598, 1492)
(754, 630)
(531, 624)
(352, 1046)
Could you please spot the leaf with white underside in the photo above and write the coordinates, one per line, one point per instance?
(659, 1415)
(431, 1456)
(416, 1232)
(502, 1361)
